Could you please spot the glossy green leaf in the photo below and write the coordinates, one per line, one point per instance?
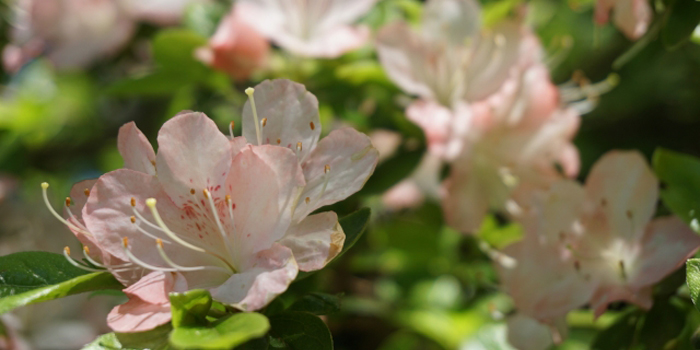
(662, 325)
(300, 331)
(680, 184)
(223, 334)
(392, 171)
(156, 339)
(693, 279)
(317, 304)
(683, 17)
(190, 308)
(32, 277)
(174, 50)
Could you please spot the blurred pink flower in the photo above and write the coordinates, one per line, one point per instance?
(71, 33)
(386, 142)
(334, 167)
(631, 16)
(236, 48)
(160, 12)
(312, 28)
(423, 183)
(452, 59)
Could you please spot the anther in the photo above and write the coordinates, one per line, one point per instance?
(125, 242)
(206, 193)
(86, 249)
(307, 200)
(133, 219)
(264, 122)
(44, 187)
(87, 192)
(66, 250)
(312, 125)
(159, 242)
(228, 199)
(66, 254)
(326, 169)
(250, 92)
(299, 146)
(231, 126)
(133, 201)
(192, 191)
(279, 141)
(68, 201)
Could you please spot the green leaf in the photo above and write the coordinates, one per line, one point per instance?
(174, 50)
(680, 184)
(300, 331)
(683, 17)
(190, 308)
(499, 236)
(32, 277)
(620, 335)
(155, 339)
(22, 272)
(223, 334)
(662, 324)
(162, 83)
(392, 171)
(693, 279)
(317, 304)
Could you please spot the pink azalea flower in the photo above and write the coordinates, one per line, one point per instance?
(518, 136)
(236, 48)
(631, 16)
(451, 59)
(334, 168)
(71, 33)
(423, 183)
(311, 28)
(207, 212)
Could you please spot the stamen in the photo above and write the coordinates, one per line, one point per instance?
(299, 148)
(44, 187)
(143, 219)
(250, 92)
(137, 261)
(264, 122)
(192, 191)
(70, 213)
(279, 141)
(218, 222)
(87, 192)
(230, 212)
(161, 251)
(151, 203)
(66, 254)
(67, 201)
(142, 230)
(86, 254)
(312, 126)
(623, 273)
(231, 125)
(326, 177)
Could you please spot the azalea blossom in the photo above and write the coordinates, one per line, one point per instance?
(206, 212)
(311, 28)
(236, 48)
(71, 33)
(334, 167)
(451, 59)
(160, 12)
(632, 17)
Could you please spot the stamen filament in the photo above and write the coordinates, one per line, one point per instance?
(148, 234)
(44, 186)
(137, 261)
(218, 221)
(231, 125)
(250, 92)
(161, 251)
(66, 254)
(77, 223)
(230, 212)
(151, 203)
(326, 177)
(143, 219)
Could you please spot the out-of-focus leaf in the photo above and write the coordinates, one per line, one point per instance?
(156, 339)
(174, 50)
(360, 72)
(662, 325)
(498, 236)
(693, 279)
(620, 335)
(190, 308)
(392, 171)
(496, 11)
(225, 333)
(680, 184)
(32, 277)
(683, 17)
(317, 304)
(300, 330)
(157, 84)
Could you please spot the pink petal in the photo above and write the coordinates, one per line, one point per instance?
(192, 154)
(609, 294)
(442, 126)
(466, 201)
(263, 182)
(149, 305)
(350, 159)
(625, 189)
(237, 144)
(404, 195)
(236, 47)
(263, 277)
(667, 243)
(526, 333)
(315, 241)
(633, 17)
(556, 210)
(159, 12)
(454, 20)
(135, 149)
(291, 112)
(386, 142)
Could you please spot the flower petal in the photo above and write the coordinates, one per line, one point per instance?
(633, 17)
(266, 275)
(349, 159)
(192, 154)
(135, 149)
(291, 112)
(526, 333)
(263, 183)
(625, 189)
(149, 305)
(315, 241)
(454, 20)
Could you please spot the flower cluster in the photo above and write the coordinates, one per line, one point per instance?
(213, 212)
